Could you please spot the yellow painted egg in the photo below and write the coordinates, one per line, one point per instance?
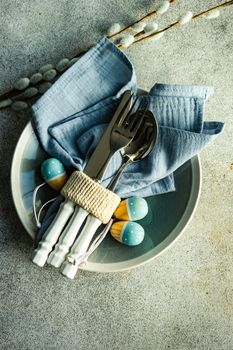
(54, 173)
(133, 208)
(127, 232)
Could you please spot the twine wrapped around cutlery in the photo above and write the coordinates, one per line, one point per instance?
(91, 196)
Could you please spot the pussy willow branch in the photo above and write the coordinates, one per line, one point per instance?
(225, 4)
(16, 94)
(177, 24)
(151, 14)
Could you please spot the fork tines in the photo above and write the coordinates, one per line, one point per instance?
(133, 116)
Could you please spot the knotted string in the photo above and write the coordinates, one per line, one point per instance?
(37, 216)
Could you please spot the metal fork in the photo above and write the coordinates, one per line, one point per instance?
(121, 135)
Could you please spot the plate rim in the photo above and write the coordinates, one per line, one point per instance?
(127, 264)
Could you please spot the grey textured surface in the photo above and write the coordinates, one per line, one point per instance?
(182, 300)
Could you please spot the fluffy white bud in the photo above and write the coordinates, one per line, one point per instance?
(5, 103)
(49, 75)
(21, 83)
(163, 7)
(213, 14)
(138, 27)
(151, 27)
(30, 92)
(19, 105)
(73, 61)
(46, 67)
(115, 28)
(35, 78)
(62, 64)
(127, 40)
(186, 18)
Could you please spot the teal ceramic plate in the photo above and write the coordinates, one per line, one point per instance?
(168, 216)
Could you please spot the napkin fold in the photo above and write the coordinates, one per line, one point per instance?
(71, 116)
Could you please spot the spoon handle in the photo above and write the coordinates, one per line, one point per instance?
(112, 185)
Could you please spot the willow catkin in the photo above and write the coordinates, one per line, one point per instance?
(213, 14)
(5, 103)
(21, 84)
(62, 64)
(73, 61)
(19, 105)
(186, 18)
(115, 28)
(127, 40)
(45, 68)
(163, 8)
(151, 27)
(36, 78)
(30, 92)
(49, 74)
(138, 27)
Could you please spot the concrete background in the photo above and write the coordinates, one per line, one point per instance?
(182, 300)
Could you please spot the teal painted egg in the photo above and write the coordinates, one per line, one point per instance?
(133, 208)
(127, 232)
(54, 173)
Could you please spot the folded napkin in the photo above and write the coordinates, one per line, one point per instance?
(71, 116)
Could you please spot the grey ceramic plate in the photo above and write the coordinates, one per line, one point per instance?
(168, 216)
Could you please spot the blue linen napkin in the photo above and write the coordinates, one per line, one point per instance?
(71, 116)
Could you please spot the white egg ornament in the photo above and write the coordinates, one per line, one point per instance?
(133, 208)
(54, 173)
(127, 232)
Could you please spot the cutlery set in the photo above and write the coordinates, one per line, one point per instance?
(132, 131)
